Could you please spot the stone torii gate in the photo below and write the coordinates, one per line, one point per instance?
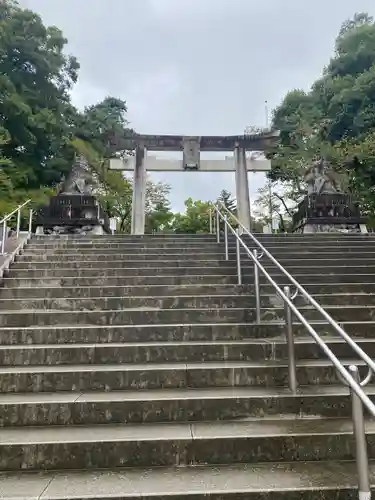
(191, 148)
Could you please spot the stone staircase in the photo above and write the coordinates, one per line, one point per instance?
(131, 367)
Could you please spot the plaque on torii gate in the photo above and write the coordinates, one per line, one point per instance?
(191, 153)
(191, 147)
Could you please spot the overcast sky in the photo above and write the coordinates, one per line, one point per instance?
(197, 67)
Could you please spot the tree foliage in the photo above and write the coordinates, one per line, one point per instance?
(196, 218)
(35, 77)
(227, 200)
(336, 118)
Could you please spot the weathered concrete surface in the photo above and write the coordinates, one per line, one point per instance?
(173, 405)
(175, 351)
(184, 444)
(313, 481)
(11, 244)
(154, 333)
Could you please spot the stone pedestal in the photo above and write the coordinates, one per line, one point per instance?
(327, 213)
(72, 213)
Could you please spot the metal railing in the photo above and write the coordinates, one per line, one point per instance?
(350, 377)
(5, 226)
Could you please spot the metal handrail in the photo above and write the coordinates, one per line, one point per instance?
(20, 207)
(349, 376)
(3, 222)
(308, 297)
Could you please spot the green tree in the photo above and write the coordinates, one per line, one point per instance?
(336, 118)
(279, 200)
(35, 79)
(226, 199)
(196, 218)
(158, 211)
(100, 122)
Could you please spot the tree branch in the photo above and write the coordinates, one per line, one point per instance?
(284, 204)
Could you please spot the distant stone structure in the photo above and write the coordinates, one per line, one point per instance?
(326, 207)
(74, 209)
(80, 180)
(320, 179)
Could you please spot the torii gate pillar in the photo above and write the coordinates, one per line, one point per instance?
(242, 187)
(139, 192)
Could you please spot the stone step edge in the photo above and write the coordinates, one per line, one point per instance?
(196, 482)
(200, 309)
(171, 366)
(191, 394)
(199, 257)
(100, 287)
(277, 324)
(184, 431)
(161, 297)
(208, 296)
(52, 266)
(245, 286)
(180, 394)
(175, 343)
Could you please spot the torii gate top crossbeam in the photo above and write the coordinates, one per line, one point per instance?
(255, 142)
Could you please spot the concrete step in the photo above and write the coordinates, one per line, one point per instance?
(269, 481)
(122, 264)
(122, 236)
(311, 278)
(180, 444)
(187, 247)
(123, 245)
(123, 291)
(140, 316)
(153, 280)
(224, 268)
(303, 257)
(338, 312)
(173, 351)
(229, 269)
(192, 261)
(317, 247)
(319, 256)
(174, 302)
(119, 256)
(121, 303)
(152, 316)
(198, 375)
(312, 236)
(304, 241)
(98, 334)
(307, 280)
(19, 289)
(296, 270)
(92, 407)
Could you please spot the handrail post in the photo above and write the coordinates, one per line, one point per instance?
(226, 237)
(360, 440)
(3, 237)
(30, 221)
(217, 225)
(257, 288)
(18, 222)
(210, 222)
(290, 343)
(238, 255)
